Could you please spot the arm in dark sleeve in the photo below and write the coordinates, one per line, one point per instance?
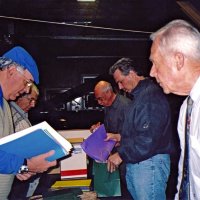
(145, 132)
(10, 163)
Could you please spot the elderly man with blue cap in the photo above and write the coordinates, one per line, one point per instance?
(18, 71)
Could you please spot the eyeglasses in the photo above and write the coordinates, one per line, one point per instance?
(101, 98)
(31, 100)
(27, 82)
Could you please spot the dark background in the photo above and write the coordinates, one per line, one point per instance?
(74, 44)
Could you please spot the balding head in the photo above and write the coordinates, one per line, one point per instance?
(103, 86)
(104, 94)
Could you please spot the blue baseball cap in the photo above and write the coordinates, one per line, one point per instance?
(20, 56)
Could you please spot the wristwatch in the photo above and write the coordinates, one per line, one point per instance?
(23, 168)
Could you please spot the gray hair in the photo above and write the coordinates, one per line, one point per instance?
(7, 62)
(107, 88)
(125, 65)
(104, 86)
(179, 36)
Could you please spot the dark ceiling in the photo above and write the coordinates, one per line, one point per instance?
(57, 27)
(64, 28)
(86, 37)
(71, 40)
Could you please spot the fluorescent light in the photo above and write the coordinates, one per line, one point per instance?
(86, 0)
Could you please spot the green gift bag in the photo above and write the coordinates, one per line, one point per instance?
(106, 184)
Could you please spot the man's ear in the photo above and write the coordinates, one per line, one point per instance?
(132, 73)
(179, 59)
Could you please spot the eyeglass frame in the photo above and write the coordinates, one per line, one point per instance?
(29, 98)
(102, 97)
(28, 83)
(7, 62)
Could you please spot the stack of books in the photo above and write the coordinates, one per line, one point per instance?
(74, 167)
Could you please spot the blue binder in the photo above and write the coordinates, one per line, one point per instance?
(36, 142)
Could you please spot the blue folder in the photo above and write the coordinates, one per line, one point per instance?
(33, 144)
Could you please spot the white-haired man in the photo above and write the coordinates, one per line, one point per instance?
(175, 55)
(18, 71)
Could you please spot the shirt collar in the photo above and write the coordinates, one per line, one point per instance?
(195, 94)
(18, 109)
(141, 84)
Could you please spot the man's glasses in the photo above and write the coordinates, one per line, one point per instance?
(4, 62)
(100, 98)
(27, 82)
(31, 99)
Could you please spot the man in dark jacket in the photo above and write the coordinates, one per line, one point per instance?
(145, 142)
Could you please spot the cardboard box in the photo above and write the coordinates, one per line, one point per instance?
(74, 167)
(54, 170)
(75, 133)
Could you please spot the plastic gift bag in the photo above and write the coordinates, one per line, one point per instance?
(106, 184)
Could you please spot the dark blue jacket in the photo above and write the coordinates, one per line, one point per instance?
(114, 114)
(147, 127)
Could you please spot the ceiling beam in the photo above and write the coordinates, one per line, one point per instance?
(101, 38)
(190, 10)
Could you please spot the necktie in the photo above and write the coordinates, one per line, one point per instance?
(184, 193)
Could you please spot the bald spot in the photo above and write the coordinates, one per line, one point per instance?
(102, 86)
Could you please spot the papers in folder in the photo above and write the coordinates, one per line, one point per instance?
(36, 140)
(95, 146)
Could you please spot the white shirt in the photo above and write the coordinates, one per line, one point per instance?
(194, 143)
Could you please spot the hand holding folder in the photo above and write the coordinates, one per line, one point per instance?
(95, 145)
(36, 140)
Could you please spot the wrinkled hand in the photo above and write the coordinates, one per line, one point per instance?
(39, 164)
(115, 160)
(94, 127)
(24, 176)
